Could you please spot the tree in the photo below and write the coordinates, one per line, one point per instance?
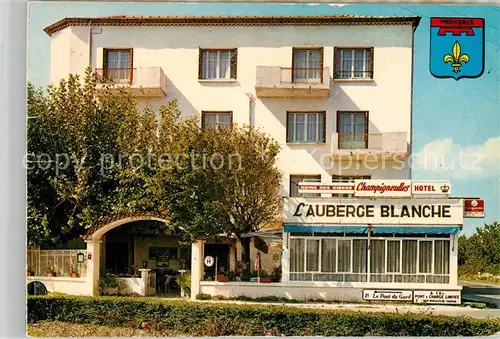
(229, 184)
(76, 136)
(481, 251)
(106, 156)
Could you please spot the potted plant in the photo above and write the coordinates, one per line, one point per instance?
(276, 274)
(264, 277)
(51, 273)
(30, 272)
(74, 273)
(222, 278)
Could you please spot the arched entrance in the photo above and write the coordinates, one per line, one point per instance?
(142, 251)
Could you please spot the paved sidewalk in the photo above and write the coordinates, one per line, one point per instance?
(455, 311)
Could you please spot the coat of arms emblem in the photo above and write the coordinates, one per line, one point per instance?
(457, 47)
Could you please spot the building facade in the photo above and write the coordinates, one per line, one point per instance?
(334, 91)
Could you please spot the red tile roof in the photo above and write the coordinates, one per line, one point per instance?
(316, 20)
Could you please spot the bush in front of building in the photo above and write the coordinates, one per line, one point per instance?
(211, 319)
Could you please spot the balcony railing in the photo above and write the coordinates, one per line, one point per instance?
(301, 75)
(115, 75)
(381, 145)
(353, 75)
(142, 81)
(292, 82)
(355, 140)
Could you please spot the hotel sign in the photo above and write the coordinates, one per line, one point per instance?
(326, 188)
(437, 297)
(442, 188)
(380, 211)
(387, 295)
(382, 188)
(379, 188)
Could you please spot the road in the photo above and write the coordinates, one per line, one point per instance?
(482, 292)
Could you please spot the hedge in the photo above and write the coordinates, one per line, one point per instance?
(211, 319)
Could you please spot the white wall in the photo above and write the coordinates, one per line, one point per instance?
(72, 286)
(176, 49)
(307, 291)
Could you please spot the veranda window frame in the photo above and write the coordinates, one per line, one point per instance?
(368, 273)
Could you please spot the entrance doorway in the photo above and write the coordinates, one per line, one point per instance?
(220, 253)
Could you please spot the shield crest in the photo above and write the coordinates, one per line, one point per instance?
(457, 47)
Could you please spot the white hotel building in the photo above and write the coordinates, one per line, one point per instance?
(336, 93)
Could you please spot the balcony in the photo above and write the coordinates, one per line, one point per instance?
(142, 81)
(373, 146)
(280, 82)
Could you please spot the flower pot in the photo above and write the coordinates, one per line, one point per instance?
(222, 278)
(30, 274)
(265, 279)
(74, 275)
(51, 274)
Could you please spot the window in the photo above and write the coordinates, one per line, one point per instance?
(344, 178)
(352, 129)
(359, 259)
(312, 255)
(328, 255)
(377, 256)
(410, 256)
(344, 260)
(425, 253)
(297, 247)
(117, 65)
(306, 127)
(353, 63)
(393, 256)
(442, 257)
(214, 120)
(307, 65)
(217, 64)
(294, 185)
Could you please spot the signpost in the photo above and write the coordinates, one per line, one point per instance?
(437, 297)
(387, 295)
(473, 208)
(209, 261)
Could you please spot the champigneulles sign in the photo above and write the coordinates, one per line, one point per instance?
(380, 211)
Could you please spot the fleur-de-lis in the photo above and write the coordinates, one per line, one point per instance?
(456, 57)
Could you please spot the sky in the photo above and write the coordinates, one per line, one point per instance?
(456, 122)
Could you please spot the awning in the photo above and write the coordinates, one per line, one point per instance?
(416, 230)
(267, 234)
(362, 229)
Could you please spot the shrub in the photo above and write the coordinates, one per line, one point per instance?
(210, 319)
(203, 296)
(184, 282)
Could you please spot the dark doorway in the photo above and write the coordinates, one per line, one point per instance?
(221, 252)
(117, 254)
